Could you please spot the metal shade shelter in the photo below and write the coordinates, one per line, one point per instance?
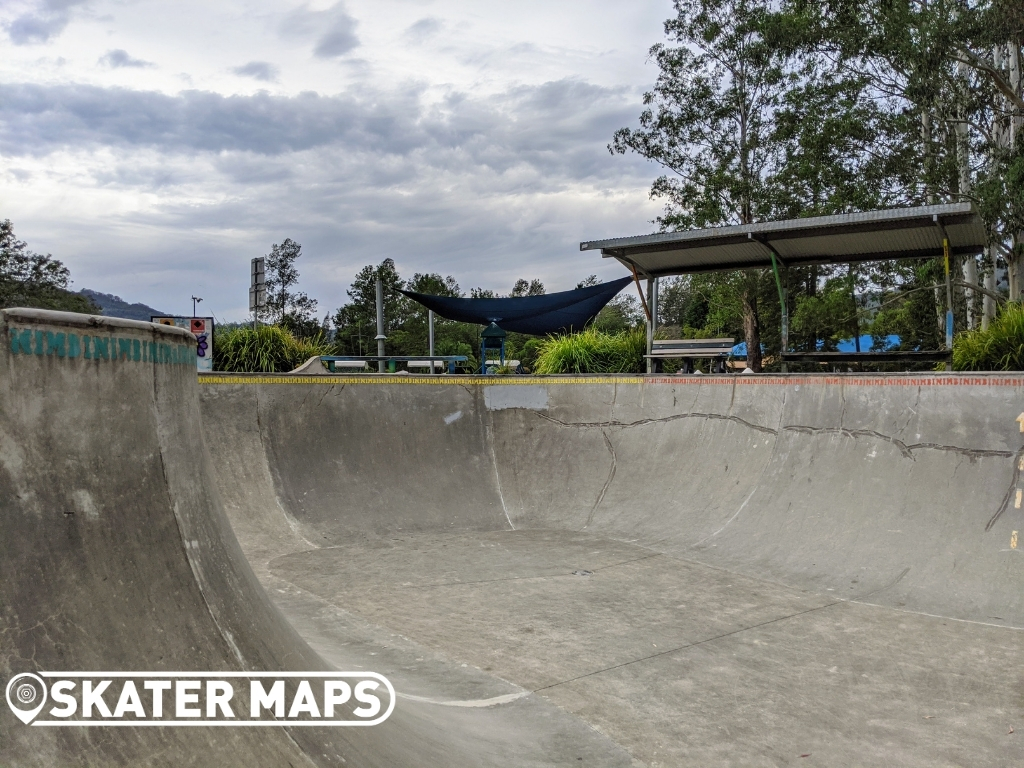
(898, 233)
(924, 232)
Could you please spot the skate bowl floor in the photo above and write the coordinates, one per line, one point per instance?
(761, 570)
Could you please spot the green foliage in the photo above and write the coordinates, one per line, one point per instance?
(593, 351)
(267, 349)
(30, 279)
(999, 348)
(771, 109)
(293, 310)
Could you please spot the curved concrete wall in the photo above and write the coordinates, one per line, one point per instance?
(898, 487)
(116, 554)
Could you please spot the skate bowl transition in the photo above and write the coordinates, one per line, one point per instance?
(601, 570)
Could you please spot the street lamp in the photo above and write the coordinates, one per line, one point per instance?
(195, 300)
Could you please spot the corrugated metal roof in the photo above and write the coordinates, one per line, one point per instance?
(872, 235)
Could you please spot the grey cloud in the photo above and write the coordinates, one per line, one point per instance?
(47, 20)
(423, 29)
(258, 70)
(488, 189)
(333, 30)
(118, 58)
(560, 128)
(36, 119)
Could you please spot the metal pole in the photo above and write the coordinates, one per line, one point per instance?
(380, 325)
(785, 325)
(652, 318)
(783, 303)
(949, 300)
(430, 335)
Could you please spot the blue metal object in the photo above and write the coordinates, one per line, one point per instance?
(492, 337)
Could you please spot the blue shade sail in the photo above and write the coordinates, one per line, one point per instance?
(536, 315)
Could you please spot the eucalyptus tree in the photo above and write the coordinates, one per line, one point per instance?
(750, 125)
(29, 279)
(285, 306)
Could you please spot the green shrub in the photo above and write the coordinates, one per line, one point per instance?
(268, 349)
(1000, 348)
(593, 351)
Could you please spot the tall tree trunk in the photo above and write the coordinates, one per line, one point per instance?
(1016, 77)
(812, 290)
(971, 276)
(751, 321)
(1016, 139)
(988, 303)
(963, 156)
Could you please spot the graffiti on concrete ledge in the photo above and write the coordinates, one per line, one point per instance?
(60, 344)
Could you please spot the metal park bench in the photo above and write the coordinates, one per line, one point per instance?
(717, 350)
(425, 364)
(333, 362)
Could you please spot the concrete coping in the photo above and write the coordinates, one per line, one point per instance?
(77, 320)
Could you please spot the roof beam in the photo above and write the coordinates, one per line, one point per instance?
(928, 253)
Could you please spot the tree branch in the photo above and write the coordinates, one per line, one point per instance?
(973, 60)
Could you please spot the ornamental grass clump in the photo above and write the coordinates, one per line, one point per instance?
(999, 348)
(267, 349)
(593, 351)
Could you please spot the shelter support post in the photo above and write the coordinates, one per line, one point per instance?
(643, 299)
(430, 338)
(652, 320)
(949, 286)
(783, 286)
(949, 296)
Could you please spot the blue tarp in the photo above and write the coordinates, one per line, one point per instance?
(846, 345)
(537, 315)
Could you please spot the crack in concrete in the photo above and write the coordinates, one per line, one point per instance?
(607, 483)
(642, 422)
(907, 450)
(325, 394)
(1017, 459)
(697, 643)
(687, 646)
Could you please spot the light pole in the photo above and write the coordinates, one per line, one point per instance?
(195, 300)
(380, 325)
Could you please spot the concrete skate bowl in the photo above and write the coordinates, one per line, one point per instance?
(116, 556)
(759, 570)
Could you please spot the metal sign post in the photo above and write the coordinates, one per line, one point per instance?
(257, 289)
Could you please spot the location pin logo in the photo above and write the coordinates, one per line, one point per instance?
(26, 695)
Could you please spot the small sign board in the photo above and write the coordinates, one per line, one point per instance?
(202, 329)
(257, 285)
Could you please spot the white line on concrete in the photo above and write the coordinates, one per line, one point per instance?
(507, 698)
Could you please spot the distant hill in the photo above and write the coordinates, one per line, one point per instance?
(115, 306)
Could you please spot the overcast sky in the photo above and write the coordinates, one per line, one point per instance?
(156, 146)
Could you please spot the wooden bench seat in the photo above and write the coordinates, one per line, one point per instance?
(687, 350)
